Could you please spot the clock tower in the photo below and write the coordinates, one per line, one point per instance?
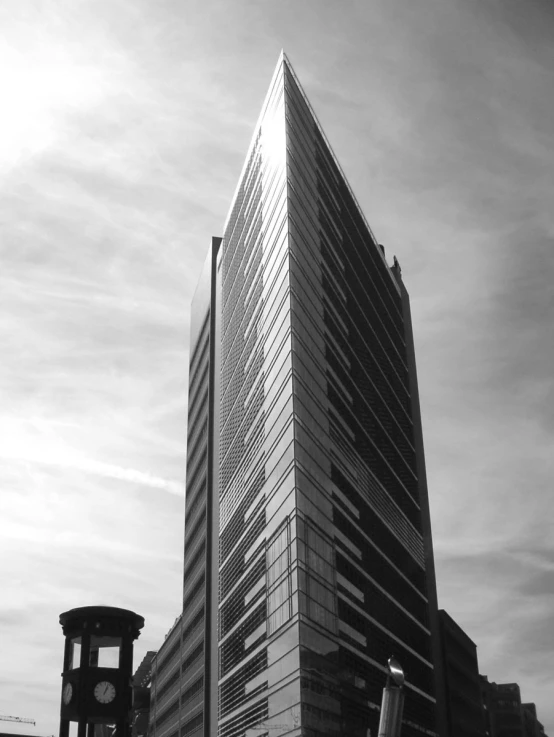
(97, 668)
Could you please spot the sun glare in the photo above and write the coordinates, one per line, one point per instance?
(274, 139)
(36, 93)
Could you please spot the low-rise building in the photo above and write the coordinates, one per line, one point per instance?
(462, 692)
(506, 715)
(531, 725)
(141, 696)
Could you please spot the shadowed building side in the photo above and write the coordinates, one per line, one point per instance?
(465, 714)
(184, 672)
(505, 714)
(360, 485)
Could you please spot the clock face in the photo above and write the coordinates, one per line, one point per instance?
(67, 693)
(104, 692)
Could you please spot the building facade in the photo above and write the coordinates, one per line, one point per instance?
(308, 555)
(505, 714)
(531, 725)
(462, 688)
(184, 671)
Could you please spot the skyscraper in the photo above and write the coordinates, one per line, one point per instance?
(308, 556)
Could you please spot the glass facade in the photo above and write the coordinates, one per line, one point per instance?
(259, 658)
(308, 557)
(182, 670)
(322, 554)
(357, 474)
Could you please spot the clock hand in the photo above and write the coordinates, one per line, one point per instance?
(105, 691)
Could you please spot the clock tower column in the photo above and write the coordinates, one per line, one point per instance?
(97, 668)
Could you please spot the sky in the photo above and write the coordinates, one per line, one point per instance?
(123, 131)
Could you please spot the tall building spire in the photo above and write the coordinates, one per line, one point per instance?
(308, 555)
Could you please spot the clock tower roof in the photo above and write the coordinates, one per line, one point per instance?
(92, 617)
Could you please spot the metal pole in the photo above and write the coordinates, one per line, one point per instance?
(392, 704)
(82, 727)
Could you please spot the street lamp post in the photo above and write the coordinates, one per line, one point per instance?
(392, 705)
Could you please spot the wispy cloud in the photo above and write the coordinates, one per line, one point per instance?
(49, 451)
